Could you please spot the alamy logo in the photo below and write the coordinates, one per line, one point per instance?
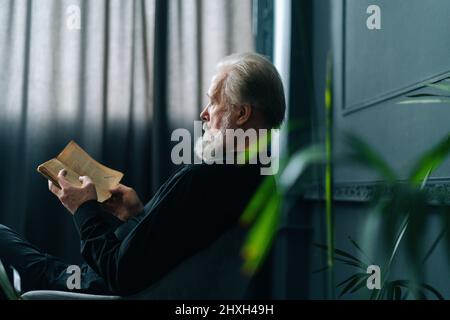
(74, 280)
(73, 21)
(374, 20)
(374, 280)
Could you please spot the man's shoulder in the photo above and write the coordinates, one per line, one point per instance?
(222, 176)
(227, 170)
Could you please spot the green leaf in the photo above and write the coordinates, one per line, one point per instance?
(434, 245)
(255, 147)
(423, 95)
(375, 294)
(362, 283)
(372, 227)
(378, 294)
(430, 161)
(354, 283)
(415, 241)
(397, 242)
(359, 265)
(349, 286)
(397, 293)
(357, 246)
(425, 288)
(422, 295)
(358, 275)
(338, 252)
(429, 288)
(365, 155)
(351, 263)
(426, 101)
(320, 270)
(440, 86)
(390, 291)
(258, 201)
(6, 286)
(259, 238)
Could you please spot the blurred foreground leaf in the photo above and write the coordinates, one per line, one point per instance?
(260, 236)
(363, 154)
(430, 161)
(5, 285)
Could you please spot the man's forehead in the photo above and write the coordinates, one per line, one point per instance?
(214, 83)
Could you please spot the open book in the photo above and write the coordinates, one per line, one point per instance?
(78, 163)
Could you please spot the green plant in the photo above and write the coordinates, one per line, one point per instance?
(263, 211)
(392, 289)
(400, 212)
(430, 98)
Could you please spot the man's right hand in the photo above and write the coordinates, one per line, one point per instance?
(124, 203)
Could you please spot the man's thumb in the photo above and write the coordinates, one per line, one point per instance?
(118, 190)
(85, 180)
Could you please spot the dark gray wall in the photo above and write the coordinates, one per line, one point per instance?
(373, 70)
(378, 68)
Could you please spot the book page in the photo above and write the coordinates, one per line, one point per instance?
(104, 178)
(51, 169)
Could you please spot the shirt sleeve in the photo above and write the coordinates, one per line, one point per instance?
(182, 221)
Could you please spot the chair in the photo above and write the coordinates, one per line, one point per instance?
(212, 274)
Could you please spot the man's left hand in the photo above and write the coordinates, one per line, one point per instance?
(72, 197)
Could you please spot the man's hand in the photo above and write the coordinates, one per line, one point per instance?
(124, 203)
(72, 197)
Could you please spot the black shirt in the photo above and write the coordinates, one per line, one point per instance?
(191, 210)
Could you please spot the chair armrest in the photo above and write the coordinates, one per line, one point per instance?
(60, 295)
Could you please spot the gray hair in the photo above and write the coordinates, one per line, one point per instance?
(253, 79)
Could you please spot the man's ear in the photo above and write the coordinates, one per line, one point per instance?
(244, 114)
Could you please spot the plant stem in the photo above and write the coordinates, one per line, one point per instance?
(329, 176)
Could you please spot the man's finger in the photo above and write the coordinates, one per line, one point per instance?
(54, 189)
(62, 179)
(109, 205)
(119, 190)
(85, 180)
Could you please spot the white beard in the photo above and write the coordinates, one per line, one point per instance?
(210, 147)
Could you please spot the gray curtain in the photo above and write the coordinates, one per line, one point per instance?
(95, 86)
(201, 32)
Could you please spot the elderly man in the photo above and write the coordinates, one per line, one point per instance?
(191, 210)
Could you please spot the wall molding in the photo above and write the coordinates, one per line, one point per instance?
(438, 192)
(385, 96)
(391, 95)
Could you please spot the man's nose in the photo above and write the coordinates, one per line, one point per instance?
(204, 115)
